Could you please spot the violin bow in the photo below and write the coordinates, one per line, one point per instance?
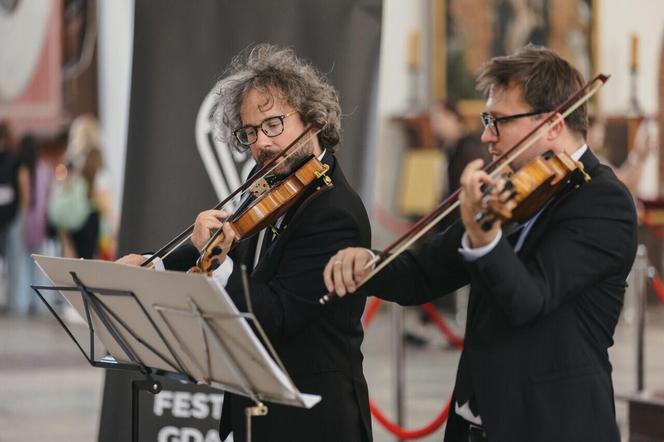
(266, 169)
(494, 168)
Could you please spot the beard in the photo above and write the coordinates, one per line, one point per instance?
(286, 166)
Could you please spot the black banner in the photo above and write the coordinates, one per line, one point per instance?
(180, 50)
(174, 166)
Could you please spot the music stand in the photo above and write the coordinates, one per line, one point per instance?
(170, 323)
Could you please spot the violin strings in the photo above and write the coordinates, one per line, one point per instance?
(185, 239)
(294, 149)
(186, 234)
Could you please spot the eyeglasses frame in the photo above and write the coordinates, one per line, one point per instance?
(260, 126)
(495, 120)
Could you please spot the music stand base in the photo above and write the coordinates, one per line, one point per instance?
(137, 385)
(257, 410)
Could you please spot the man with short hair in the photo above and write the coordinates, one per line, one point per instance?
(544, 300)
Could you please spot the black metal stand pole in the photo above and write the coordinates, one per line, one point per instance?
(257, 410)
(138, 385)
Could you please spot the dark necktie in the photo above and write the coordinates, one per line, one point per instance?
(514, 234)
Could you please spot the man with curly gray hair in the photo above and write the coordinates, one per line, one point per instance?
(267, 68)
(267, 98)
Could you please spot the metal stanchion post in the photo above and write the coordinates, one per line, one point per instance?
(399, 372)
(639, 291)
(630, 301)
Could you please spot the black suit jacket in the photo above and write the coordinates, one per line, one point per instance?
(540, 321)
(319, 346)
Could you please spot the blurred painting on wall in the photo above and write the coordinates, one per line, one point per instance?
(469, 32)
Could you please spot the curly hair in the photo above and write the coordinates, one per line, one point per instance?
(271, 69)
(546, 79)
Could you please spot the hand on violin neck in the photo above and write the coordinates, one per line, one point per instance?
(473, 199)
(206, 223)
(216, 249)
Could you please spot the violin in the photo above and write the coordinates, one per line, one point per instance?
(256, 184)
(497, 168)
(264, 210)
(525, 192)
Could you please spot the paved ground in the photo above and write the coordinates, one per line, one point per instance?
(49, 392)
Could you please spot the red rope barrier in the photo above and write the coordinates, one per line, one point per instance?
(402, 433)
(658, 285)
(370, 311)
(439, 420)
(658, 232)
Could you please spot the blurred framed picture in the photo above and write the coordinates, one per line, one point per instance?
(466, 33)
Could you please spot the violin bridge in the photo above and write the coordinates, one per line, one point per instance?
(259, 187)
(326, 179)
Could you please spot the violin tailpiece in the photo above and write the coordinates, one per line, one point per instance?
(259, 187)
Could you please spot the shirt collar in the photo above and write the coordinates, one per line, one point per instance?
(577, 154)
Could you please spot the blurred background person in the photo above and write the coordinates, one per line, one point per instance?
(460, 144)
(27, 233)
(80, 208)
(631, 170)
(8, 199)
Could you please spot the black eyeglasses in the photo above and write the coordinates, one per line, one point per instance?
(272, 126)
(490, 122)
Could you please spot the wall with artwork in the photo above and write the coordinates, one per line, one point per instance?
(468, 32)
(596, 34)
